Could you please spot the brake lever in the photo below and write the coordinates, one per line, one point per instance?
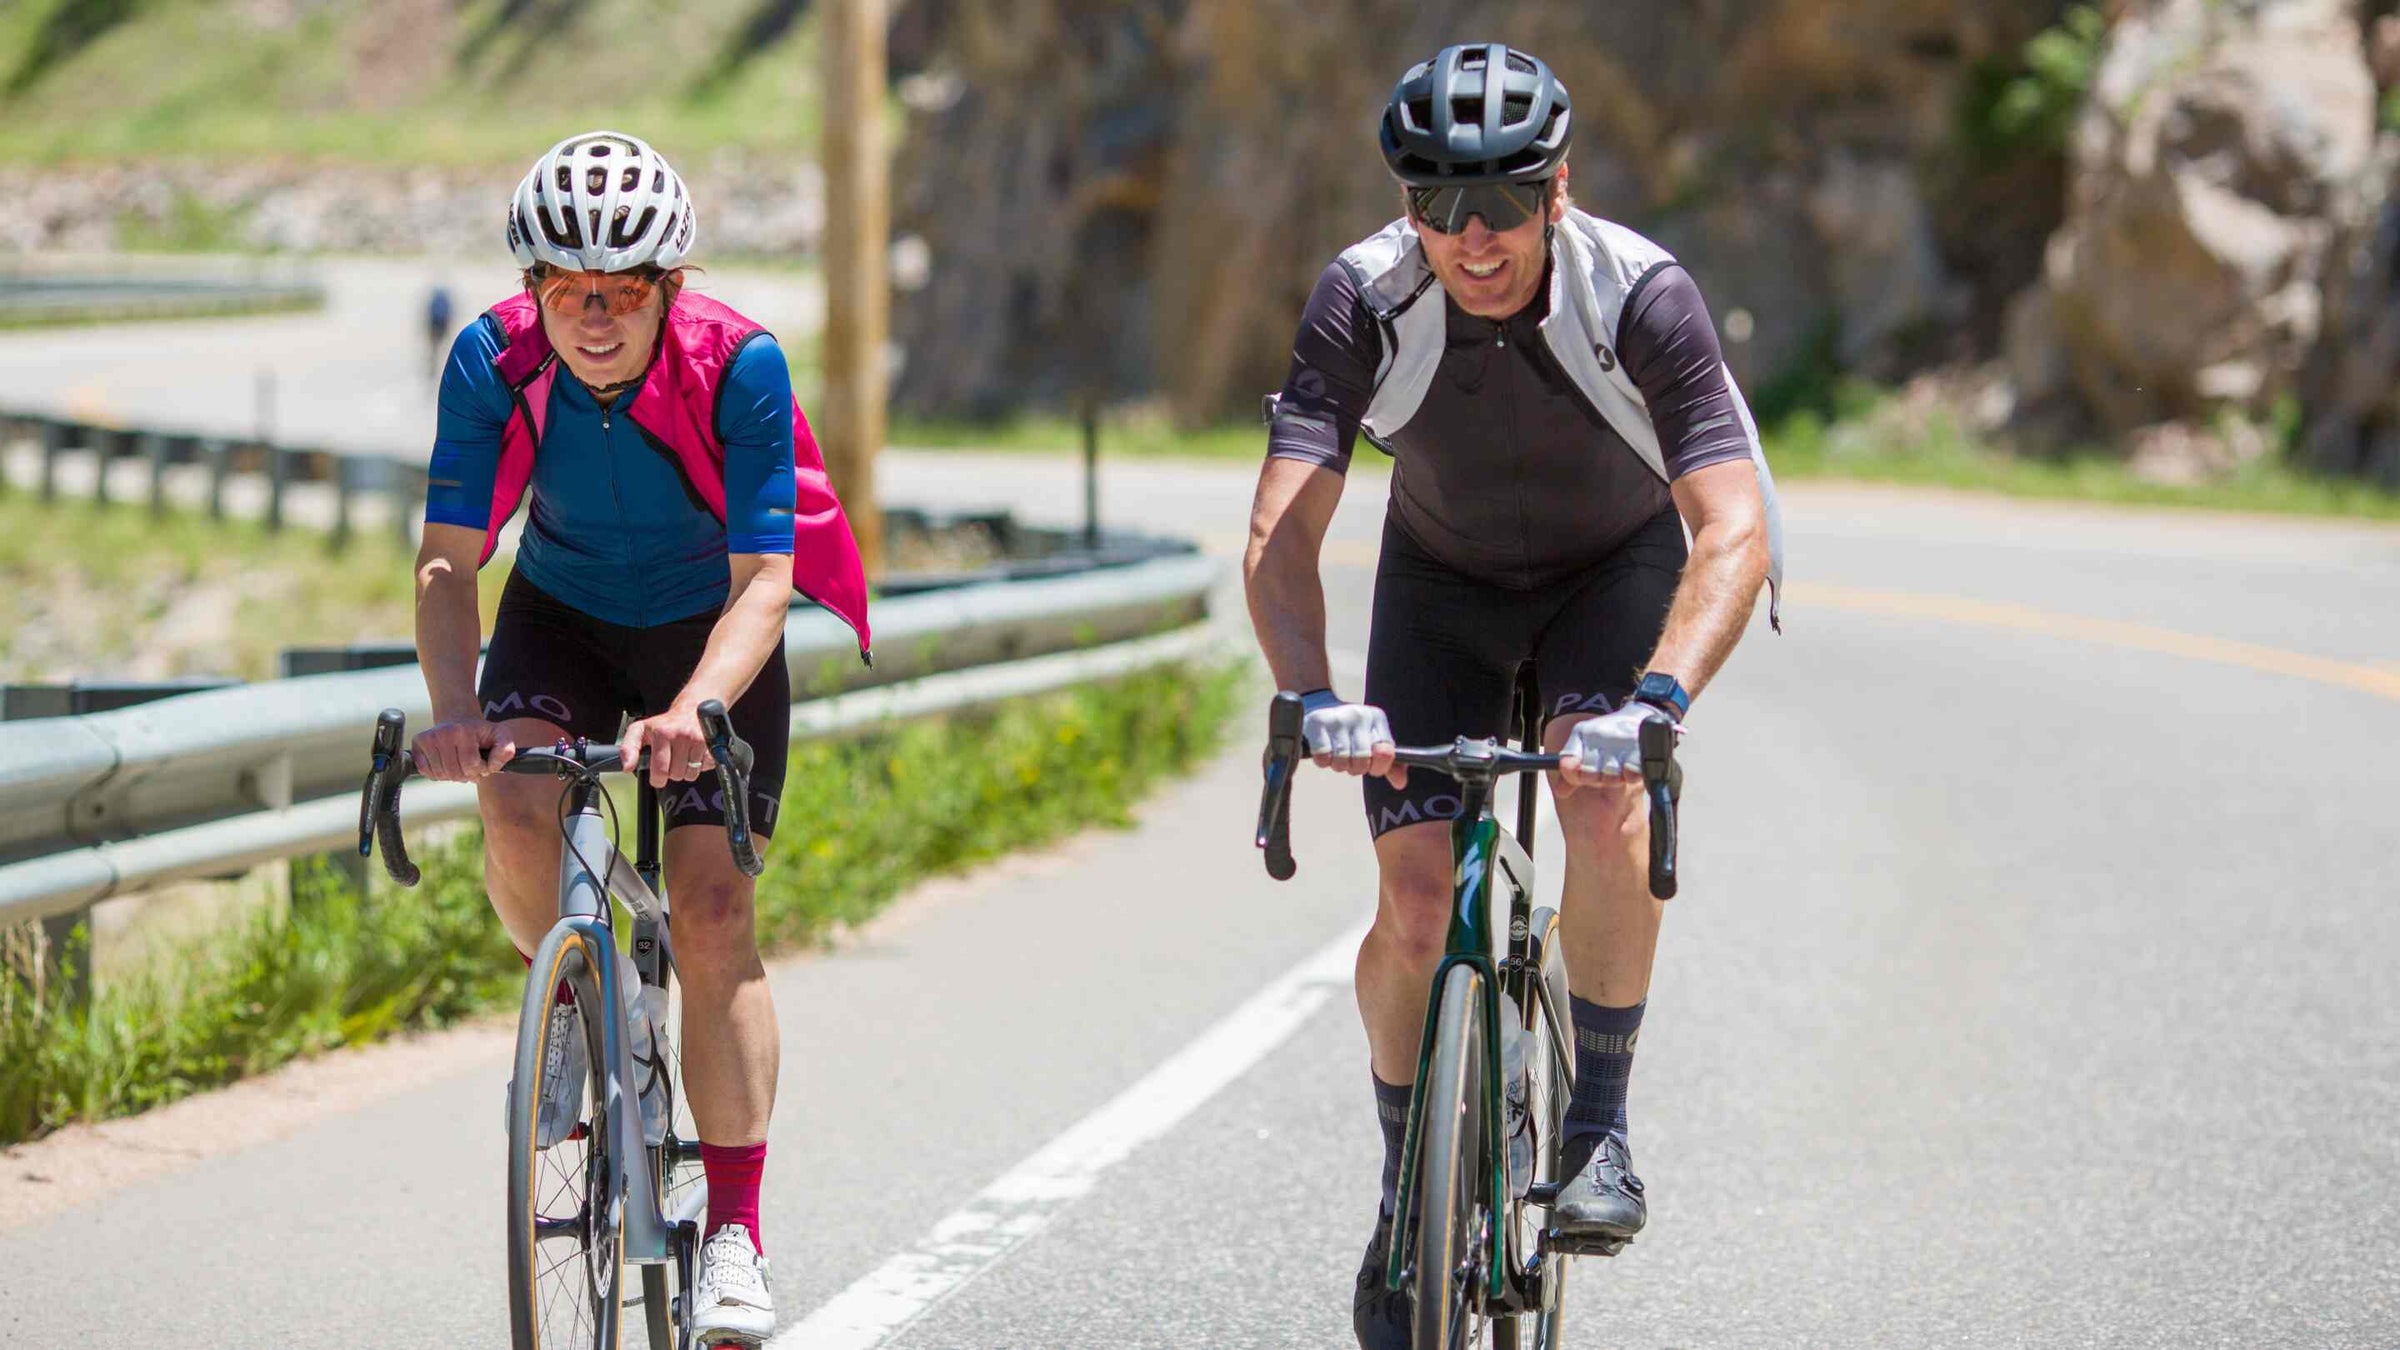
(1275, 801)
(1664, 779)
(733, 759)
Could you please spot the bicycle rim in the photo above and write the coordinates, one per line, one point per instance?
(676, 1180)
(1550, 1084)
(1450, 1220)
(565, 1202)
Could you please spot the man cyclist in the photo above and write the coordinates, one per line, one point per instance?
(1551, 389)
(677, 500)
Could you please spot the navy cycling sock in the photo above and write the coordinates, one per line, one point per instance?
(1604, 1039)
(1391, 1112)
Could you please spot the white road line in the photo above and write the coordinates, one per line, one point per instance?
(1024, 1200)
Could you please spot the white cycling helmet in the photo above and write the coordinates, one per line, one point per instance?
(601, 202)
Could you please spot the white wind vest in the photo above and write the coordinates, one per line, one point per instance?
(1598, 264)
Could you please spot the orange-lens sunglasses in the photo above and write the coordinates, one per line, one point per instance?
(620, 293)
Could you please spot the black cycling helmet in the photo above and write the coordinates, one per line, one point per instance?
(1476, 113)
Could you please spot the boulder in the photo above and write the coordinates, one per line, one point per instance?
(2223, 145)
(1154, 188)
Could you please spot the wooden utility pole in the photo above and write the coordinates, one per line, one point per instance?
(858, 295)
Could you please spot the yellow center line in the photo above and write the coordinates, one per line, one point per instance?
(2374, 680)
(2379, 680)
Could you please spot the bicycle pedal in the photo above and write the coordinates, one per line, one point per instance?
(1567, 1244)
(1544, 1193)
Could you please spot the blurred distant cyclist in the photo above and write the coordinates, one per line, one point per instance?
(438, 313)
(678, 499)
(1551, 390)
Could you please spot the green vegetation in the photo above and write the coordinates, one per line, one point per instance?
(1829, 427)
(2026, 108)
(862, 820)
(1142, 434)
(87, 588)
(400, 82)
(1869, 440)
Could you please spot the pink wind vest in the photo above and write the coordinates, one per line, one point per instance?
(677, 407)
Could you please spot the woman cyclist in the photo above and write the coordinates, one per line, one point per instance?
(677, 499)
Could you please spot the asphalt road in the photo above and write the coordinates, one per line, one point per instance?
(2032, 985)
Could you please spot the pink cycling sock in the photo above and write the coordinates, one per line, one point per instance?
(733, 1172)
(566, 992)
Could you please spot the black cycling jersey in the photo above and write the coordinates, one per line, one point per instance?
(1506, 472)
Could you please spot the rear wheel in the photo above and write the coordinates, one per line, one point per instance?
(565, 1201)
(1453, 1222)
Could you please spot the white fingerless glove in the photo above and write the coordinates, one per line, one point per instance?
(1611, 744)
(1342, 730)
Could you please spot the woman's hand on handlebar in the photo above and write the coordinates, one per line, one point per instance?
(678, 747)
(454, 751)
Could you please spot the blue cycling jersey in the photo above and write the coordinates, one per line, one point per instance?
(613, 529)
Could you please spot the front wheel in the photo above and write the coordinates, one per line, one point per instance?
(1548, 1055)
(565, 1198)
(1453, 1220)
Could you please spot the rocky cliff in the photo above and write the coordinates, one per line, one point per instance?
(1159, 183)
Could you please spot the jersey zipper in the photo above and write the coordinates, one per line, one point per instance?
(616, 490)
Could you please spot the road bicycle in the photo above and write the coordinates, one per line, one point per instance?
(1479, 1165)
(609, 1194)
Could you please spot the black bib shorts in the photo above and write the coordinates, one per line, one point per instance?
(1443, 652)
(555, 662)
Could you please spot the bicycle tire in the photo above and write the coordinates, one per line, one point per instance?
(1552, 1062)
(1451, 1227)
(547, 1309)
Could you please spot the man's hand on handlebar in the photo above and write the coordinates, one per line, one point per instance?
(453, 752)
(1353, 738)
(1606, 751)
(678, 746)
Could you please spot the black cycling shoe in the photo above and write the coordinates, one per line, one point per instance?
(1384, 1319)
(1600, 1207)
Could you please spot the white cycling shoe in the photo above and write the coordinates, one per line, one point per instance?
(564, 1066)
(731, 1306)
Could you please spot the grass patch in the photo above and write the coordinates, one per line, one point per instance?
(87, 588)
(1934, 451)
(863, 819)
(1840, 431)
(402, 82)
(1141, 434)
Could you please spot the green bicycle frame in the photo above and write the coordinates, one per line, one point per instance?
(1477, 842)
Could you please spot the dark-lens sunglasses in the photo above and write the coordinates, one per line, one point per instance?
(1503, 206)
(621, 293)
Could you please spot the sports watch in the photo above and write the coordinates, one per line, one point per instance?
(1663, 692)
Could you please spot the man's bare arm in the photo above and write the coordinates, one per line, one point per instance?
(1288, 521)
(1728, 519)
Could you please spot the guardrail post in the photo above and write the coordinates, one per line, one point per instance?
(219, 455)
(408, 501)
(154, 449)
(67, 957)
(344, 470)
(103, 444)
(278, 474)
(54, 440)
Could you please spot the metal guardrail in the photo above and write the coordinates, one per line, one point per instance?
(213, 783)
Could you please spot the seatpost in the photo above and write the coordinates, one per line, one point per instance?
(645, 855)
